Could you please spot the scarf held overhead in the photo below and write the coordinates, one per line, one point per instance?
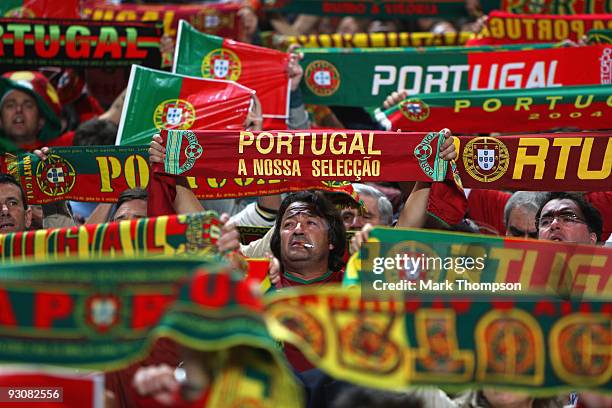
(355, 77)
(102, 173)
(36, 42)
(506, 28)
(507, 110)
(297, 155)
(190, 234)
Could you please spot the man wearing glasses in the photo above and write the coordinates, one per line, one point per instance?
(567, 217)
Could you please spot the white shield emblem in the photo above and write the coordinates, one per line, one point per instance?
(55, 175)
(173, 116)
(486, 158)
(103, 312)
(221, 67)
(322, 78)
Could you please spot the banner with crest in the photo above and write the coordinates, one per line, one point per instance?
(365, 77)
(297, 155)
(107, 314)
(102, 173)
(504, 110)
(540, 345)
(539, 162)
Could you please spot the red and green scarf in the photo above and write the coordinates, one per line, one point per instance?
(107, 314)
(356, 77)
(505, 111)
(535, 344)
(561, 269)
(507, 28)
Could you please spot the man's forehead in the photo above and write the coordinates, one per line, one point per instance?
(300, 208)
(17, 94)
(561, 205)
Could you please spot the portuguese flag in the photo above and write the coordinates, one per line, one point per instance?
(40, 8)
(261, 69)
(158, 100)
(508, 110)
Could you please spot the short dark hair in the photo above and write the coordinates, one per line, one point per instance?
(95, 132)
(130, 195)
(324, 209)
(592, 216)
(9, 179)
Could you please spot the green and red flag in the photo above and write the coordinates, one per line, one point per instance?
(29, 43)
(220, 19)
(539, 345)
(158, 100)
(507, 110)
(261, 69)
(365, 77)
(40, 8)
(507, 28)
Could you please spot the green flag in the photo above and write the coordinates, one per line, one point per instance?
(158, 100)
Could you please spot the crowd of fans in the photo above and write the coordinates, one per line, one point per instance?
(307, 241)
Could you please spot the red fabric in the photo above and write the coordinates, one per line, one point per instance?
(164, 351)
(447, 202)
(486, 207)
(161, 193)
(602, 200)
(65, 139)
(293, 354)
(87, 108)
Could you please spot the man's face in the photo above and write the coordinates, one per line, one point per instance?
(521, 223)
(304, 236)
(20, 118)
(354, 221)
(562, 220)
(501, 398)
(13, 217)
(131, 210)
